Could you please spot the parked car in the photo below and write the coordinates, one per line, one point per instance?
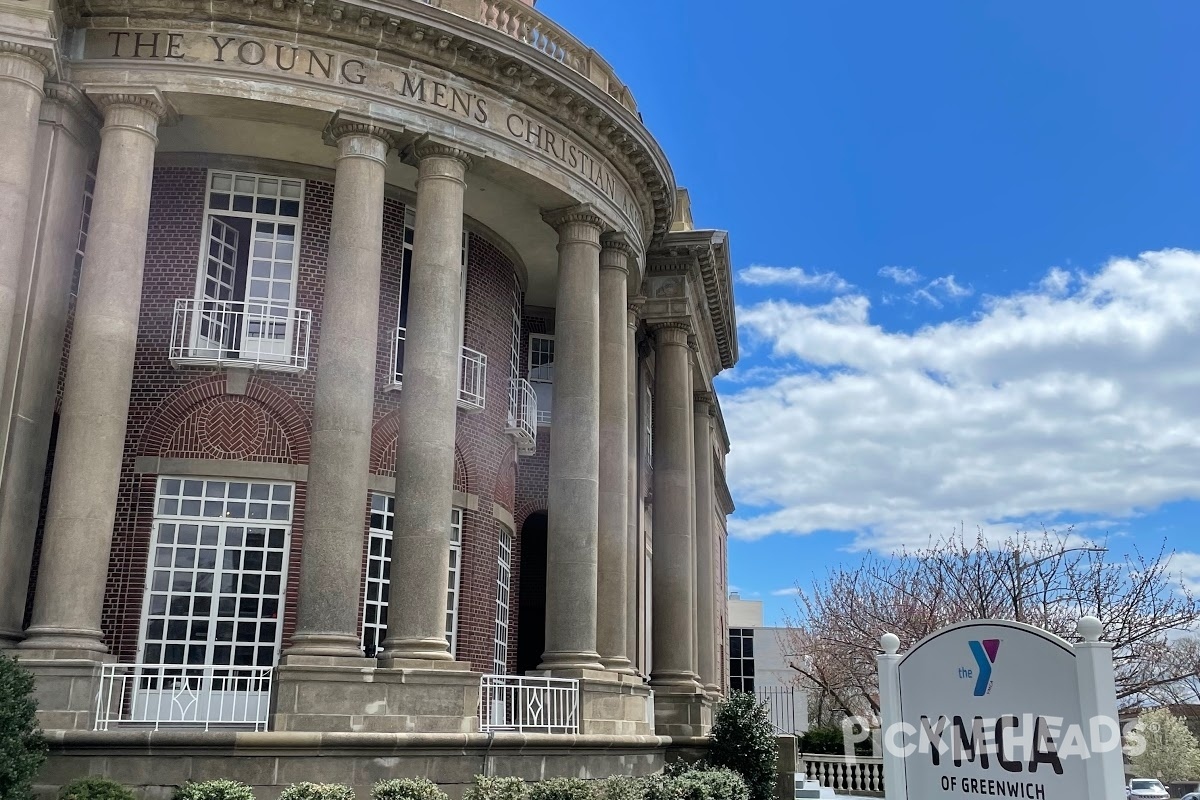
(1146, 789)
(1191, 796)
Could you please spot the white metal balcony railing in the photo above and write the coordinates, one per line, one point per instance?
(522, 416)
(233, 332)
(532, 705)
(179, 695)
(472, 374)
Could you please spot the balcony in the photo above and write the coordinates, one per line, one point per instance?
(227, 332)
(522, 416)
(528, 705)
(472, 374)
(178, 695)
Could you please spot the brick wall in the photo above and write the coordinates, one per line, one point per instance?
(187, 412)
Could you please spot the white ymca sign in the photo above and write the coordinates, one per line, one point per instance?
(991, 708)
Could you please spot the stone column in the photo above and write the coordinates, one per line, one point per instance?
(673, 623)
(691, 465)
(636, 551)
(23, 70)
(66, 139)
(95, 407)
(344, 400)
(614, 500)
(706, 595)
(428, 412)
(571, 542)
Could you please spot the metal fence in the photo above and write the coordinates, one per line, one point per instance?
(781, 706)
(528, 705)
(183, 696)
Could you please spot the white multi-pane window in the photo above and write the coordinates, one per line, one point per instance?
(541, 373)
(246, 287)
(218, 568)
(379, 572)
(503, 585)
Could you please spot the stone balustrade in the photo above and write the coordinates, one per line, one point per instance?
(518, 20)
(857, 775)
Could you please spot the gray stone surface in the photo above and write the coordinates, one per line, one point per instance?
(707, 596)
(674, 575)
(613, 517)
(65, 141)
(344, 401)
(83, 494)
(428, 411)
(572, 538)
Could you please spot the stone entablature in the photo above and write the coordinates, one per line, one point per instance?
(384, 64)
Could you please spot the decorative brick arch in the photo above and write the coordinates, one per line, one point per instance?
(506, 481)
(383, 445)
(462, 482)
(202, 420)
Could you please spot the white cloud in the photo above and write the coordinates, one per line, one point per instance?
(1074, 400)
(901, 275)
(938, 290)
(1186, 567)
(796, 277)
(791, 591)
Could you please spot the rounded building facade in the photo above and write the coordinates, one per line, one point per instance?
(358, 369)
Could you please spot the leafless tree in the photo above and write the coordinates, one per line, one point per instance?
(1040, 579)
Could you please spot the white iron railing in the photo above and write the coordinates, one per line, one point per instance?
(533, 705)
(179, 695)
(472, 380)
(782, 709)
(216, 332)
(847, 775)
(522, 416)
(472, 375)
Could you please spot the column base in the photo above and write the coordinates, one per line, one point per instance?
(615, 705)
(714, 692)
(330, 695)
(10, 639)
(81, 640)
(619, 664)
(434, 650)
(66, 686)
(682, 714)
(560, 661)
(326, 645)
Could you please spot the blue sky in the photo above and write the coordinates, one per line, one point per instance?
(966, 237)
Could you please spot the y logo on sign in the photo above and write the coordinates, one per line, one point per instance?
(985, 655)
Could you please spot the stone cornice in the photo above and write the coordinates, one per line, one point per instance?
(724, 497)
(447, 41)
(704, 255)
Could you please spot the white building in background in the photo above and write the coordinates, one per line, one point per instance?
(758, 662)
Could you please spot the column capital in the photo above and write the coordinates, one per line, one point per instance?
(584, 214)
(74, 100)
(703, 402)
(344, 124)
(634, 310)
(671, 333)
(25, 63)
(429, 146)
(144, 98)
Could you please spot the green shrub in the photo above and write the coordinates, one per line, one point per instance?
(94, 789)
(712, 783)
(831, 741)
(407, 789)
(661, 787)
(22, 748)
(742, 740)
(486, 788)
(619, 787)
(563, 789)
(214, 790)
(317, 791)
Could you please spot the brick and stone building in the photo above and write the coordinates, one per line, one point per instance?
(358, 415)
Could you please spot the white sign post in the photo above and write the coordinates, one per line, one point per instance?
(991, 708)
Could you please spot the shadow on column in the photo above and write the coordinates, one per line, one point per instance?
(531, 619)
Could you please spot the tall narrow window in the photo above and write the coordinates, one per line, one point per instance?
(85, 224)
(379, 575)
(741, 659)
(503, 585)
(246, 289)
(541, 373)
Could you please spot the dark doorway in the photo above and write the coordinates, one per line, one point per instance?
(531, 620)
